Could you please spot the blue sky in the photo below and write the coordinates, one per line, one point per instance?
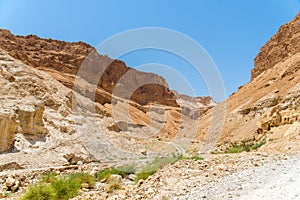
(232, 31)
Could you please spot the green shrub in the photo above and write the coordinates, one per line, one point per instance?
(123, 171)
(66, 188)
(144, 174)
(83, 178)
(156, 164)
(8, 194)
(244, 146)
(235, 149)
(49, 177)
(113, 184)
(52, 187)
(127, 169)
(105, 173)
(192, 158)
(258, 145)
(40, 192)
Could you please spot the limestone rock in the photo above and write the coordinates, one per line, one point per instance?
(10, 166)
(282, 45)
(132, 177)
(31, 119)
(10, 182)
(8, 127)
(73, 159)
(115, 178)
(85, 185)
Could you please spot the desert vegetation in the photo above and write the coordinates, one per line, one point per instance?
(245, 145)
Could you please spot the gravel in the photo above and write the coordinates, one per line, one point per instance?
(272, 181)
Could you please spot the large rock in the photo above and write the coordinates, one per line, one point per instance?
(31, 119)
(8, 127)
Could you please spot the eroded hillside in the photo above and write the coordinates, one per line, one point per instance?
(267, 108)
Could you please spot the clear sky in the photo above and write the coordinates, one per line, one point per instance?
(232, 31)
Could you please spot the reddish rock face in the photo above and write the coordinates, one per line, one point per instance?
(281, 46)
(63, 59)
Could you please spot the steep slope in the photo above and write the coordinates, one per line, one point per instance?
(62, 60)
(280, 47)
(44, 123)
(268, 107)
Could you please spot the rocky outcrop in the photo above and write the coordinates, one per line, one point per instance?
(8, 127)
(20, 111)
(194, 107)
(282, 45)
(31, 119)
(63, 59)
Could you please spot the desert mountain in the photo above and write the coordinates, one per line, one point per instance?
(47, 126)
(267, 108)
(62, 60)
(43, 121)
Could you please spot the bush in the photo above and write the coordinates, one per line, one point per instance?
(123, 171)
(113, 184)
(105, 173)
(40, 192)
(144, 174)
(127, 169)
(66, 188)
(235, 149)
(244, 146)
(51, 187)
(83, 178)
(192, 158)
(49, 177)
(156, 164)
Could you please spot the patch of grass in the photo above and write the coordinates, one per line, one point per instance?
(49, 177)
(215, 152)
(8, 194)
(192, 158)
(123, 171)
(155, 165)
(66, 188)
(244, 146)
(106, 173)
(52, 187)
(112, 184)
(235, 149)
(83, 178)
(146, 172)
(39, 192)
(127, 169)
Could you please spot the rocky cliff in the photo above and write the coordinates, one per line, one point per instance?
(62, 60)
(267, 108)
(194, 106)
(284, 44)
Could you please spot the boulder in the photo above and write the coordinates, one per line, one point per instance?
(31, 119)
(132, 177)
(10, 182)
(115, 178)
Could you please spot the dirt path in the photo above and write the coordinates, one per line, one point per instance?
(273, 181)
